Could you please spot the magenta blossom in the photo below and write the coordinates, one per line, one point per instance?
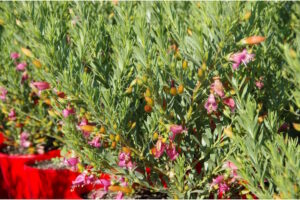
(125, 161)
(159, 148)
(21, 66)
(84, 122)
(119, 196)
(24, 77)
(72, 162)
(24, 140)
(218, 88)
(233, 169)
(83, 179)
(80, 180)
(241, 57)
(68, 111)
(171, 152)
(14, 55)
(175, 129)
(104, 182)
(12, 115)
(218, 180)
(42, 85)
(230, 103)
(259, 84)
(3, 93)
(211, 104)
(95, 142)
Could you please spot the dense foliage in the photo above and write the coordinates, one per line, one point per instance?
(191, 99)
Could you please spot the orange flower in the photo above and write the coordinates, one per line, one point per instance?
(253, 40)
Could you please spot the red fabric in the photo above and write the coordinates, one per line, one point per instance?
(49, 183)
(14, 176)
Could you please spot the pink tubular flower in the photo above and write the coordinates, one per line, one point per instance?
(3, 93)
(175, 129)
(211, 104)
(12, 115)
(84, 122)
(21, 66)
(68, 111)
(80, 180)
(259, 84)
(241, 57)
(14, 55)
(42, 85)
(24, 140)
(72, 162)
(24, 77)
(233, 169)
(230, 103)
(159, 148)
(125, 161)
(171, 152)
(218, 88)
(95, 142)
(218, 180)
(119, 195)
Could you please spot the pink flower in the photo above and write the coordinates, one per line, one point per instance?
(21, 66)
(72, 162)
(42, 85)
(80, 180)
(175, 129)
(40, 149)
(159, 148)
(125, 161)
(233, 169)
(119, 195)
(171, 152)
(95, 142)
(14, 55)
(12, 115)
(68, 111)
(218, 180)
(259, 84)
(24, 140)
(84, 122)
(218, 88)
(241, 57)
(104, 182)
(230, 103)
(211, 104)
(223, 188)
(230, 165)
(3, 93)
(24, 77)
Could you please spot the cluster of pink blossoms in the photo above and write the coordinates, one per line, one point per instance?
(222, 183)
(125, 161)
(24, 140)
(170, 149)
(3, 93)
(20, 66)
(72, 163)
(217, 88)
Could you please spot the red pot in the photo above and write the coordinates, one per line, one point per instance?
(3, 193)
(50, 183)
(15, 179)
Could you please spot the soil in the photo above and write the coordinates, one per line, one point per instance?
(48, 164)
(139, 194)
